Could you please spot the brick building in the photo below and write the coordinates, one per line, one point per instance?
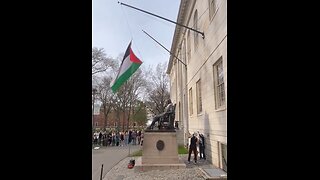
(113, 121)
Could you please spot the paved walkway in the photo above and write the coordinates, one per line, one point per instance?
(192, 171)
(109, 157)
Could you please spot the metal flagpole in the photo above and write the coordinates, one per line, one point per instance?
(202, 33)
(165, 48)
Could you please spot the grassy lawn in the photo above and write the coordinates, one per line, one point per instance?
(181, 150)
(138, 153)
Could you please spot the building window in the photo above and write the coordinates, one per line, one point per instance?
(212, 8)
(96, 124)
(219, 84)
(199, 100)
(195, 26)
(190, 101)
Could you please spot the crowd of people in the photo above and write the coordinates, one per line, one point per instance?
(196, 143)
(115, 138)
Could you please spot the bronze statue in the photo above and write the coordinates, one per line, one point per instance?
(166, 116)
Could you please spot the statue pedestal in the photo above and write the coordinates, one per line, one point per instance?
(159, 152)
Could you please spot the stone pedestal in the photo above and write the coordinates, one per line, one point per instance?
(159, 152)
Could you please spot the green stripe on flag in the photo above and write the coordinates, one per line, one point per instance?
(124, 77)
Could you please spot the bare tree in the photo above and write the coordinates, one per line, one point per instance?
(106, 96)
(157, 89)
(125, 101)
(139, 113)
(100, 62)
(128, 95)
(137, 83)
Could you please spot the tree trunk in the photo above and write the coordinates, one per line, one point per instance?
(118, 119)
(128, 116)
(124, 116)
(105, 115)
(105, 120)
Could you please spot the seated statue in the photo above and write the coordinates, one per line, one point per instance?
(168, 110)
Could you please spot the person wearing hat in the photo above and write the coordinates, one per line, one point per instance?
(193, 147)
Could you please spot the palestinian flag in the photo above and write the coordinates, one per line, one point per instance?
(129, 65)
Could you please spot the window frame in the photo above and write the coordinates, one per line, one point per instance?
(199, 97)
(190, 102)
(219, 87)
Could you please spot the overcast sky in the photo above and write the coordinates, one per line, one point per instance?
(114, 25)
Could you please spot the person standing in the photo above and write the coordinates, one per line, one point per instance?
(121, 139)
(96, 137)
(126, 138)
(202, 146)
(193, 147)
(134, 137)
(130, 136)
(141, 139)
(117, 137)
(100, 138)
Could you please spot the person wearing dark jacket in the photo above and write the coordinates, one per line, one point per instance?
(202, 146)
(193, 147)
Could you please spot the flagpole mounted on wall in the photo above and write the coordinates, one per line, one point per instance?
(165, 48)
(202, 33)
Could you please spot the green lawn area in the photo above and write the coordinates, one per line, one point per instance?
(138, 153)
(181, 150)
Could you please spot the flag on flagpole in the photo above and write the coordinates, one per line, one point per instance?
(130, 63)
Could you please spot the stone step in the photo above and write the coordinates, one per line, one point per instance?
(213, 173)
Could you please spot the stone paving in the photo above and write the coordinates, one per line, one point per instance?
(192, 171)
